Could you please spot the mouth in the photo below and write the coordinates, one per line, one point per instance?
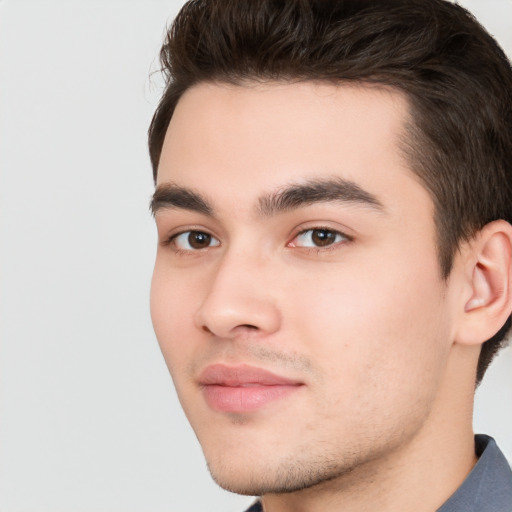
(243, 388)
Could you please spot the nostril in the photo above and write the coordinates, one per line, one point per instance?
(242, 326)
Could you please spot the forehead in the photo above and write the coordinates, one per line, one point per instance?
(254, 138)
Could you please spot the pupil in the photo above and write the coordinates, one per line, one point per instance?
(199, 240)
(322, 237)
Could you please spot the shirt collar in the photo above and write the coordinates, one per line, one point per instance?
(488, 488)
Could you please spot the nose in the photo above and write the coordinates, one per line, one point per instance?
(240, 299)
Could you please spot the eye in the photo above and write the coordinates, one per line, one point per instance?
(193, 241)
(318, 237)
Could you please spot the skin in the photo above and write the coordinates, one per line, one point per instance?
(366, 324)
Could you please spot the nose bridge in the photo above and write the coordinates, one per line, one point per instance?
(240, 295)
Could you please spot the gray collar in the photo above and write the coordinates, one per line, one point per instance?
(488, 488)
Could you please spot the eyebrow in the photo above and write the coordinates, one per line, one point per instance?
(171, 196)
(314, 191)
(287, 198)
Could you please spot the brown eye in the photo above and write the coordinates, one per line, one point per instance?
(194, 241)
(323, 237)
(319, 237)
(198, 240)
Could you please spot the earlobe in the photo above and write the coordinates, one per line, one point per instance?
(489, 301)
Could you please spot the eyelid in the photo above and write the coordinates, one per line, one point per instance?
(170, 237)
(337, 231)
(211, 240)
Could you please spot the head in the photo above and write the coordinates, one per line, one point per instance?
(456, 78)
(418, 85)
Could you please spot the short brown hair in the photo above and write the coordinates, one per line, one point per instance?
(457, 79)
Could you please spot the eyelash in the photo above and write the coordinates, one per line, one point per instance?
(318, 249)
(171, 241)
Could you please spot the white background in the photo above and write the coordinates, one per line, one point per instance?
(88, 417)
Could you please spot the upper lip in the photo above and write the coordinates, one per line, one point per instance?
(242, 375)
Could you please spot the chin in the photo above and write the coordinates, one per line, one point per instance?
(263, 477)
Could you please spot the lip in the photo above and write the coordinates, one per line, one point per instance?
(243, 388)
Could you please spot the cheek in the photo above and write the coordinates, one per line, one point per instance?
(377, 342)
(387, 324)
(171, 310)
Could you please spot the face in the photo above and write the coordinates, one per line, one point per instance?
(297, 295)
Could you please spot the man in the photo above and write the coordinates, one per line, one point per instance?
(333, 277)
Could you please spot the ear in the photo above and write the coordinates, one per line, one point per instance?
(487, 292)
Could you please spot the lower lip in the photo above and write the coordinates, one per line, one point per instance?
(242, 399)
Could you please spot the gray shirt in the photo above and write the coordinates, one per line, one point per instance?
(488, 488)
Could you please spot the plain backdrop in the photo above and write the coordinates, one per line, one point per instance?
(89, 420)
